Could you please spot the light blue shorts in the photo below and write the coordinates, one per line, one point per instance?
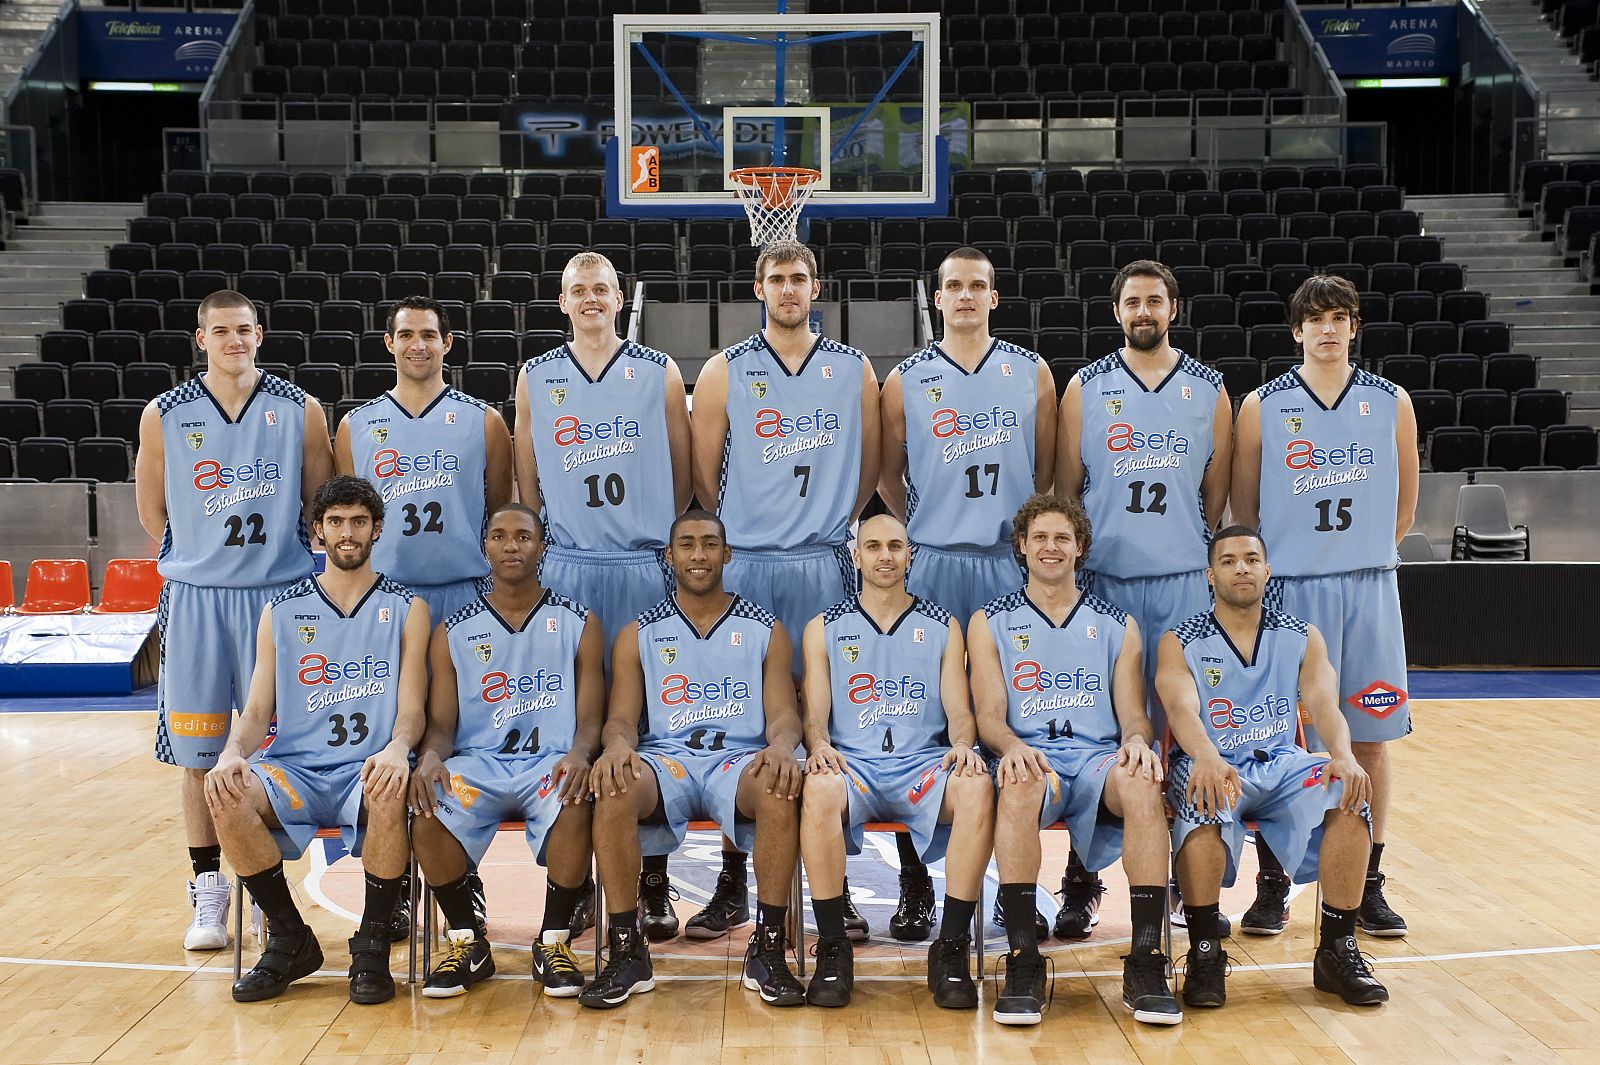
(695, 788)
(907, 788)
(485, 790)
(1358, 615)
(796, 585)
(1073, 795)
(616, 585)
(445, 599)
(963, 581)
(307, 799)
(208, 650)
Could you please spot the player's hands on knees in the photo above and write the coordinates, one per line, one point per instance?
(572, 773)
(1213, 785)
(1357, 785)
(1022, 764)
(963, 761)
(428, 781)
(225, 783)
(384, 775)
(614, 770)
(783, 771)
(1139, 760)
(825, 759)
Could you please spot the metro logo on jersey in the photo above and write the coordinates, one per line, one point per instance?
(572, 431)
(1378, 699)
(773, 424)
(866, 688)
(920, 789)
(546, 786)
(1314, 777)
(211, 475)
(389, 463)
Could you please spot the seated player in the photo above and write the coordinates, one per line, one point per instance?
(514, 715)
(702, 724)
(1058, 682)
(1237, 760)
(342, 656)
(887, 713)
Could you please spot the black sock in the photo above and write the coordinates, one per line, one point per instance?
(1148, 903)
(1337, 924)
(1075, 867)
(830, 916)
(910, 860)
(1205, 922)
(205, 859)
(560, 903)
(1017, 903)
(628, 919)
(271, 892)
(455, 899)
(382, 894)
(1373, 859)
(1265, 858)
(733, 863)
(957, 919)
(771, 916)
(656, 863)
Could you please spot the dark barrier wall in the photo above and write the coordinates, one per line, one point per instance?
(46, 98)
(1493, 95)
(1501, 613)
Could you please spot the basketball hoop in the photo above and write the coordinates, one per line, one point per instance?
(773, 197)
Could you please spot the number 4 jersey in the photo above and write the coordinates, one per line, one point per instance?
(885, 682)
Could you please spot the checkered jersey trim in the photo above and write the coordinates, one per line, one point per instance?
(471, 610)
(550, 356)
(744, 347)
(1005, 347)
(1197, 628)
(1009, 601)
(1098, 368)
(644, 354)
(744, 608)
(933, 611)
(303, 586)
(839, 610)
(1277, 619)
(394, 587)
(1106, 607)
(187, 392)
(660, 612)
(277, 386)
(461, 397)
(353, 411)
(1364, 379)
(1194, 368)
(1282, 383)
(557, 599)
(917, 357)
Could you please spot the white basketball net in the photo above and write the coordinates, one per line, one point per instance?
(773, 198)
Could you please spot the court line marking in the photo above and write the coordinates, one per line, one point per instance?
(1408, 959)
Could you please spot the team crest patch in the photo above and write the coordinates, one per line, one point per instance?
(934, 394)
(1378, 699)
(380, 434)
(484, 652)
(917, 635)
(668, 655)
(852, 651)
(1186, 393)
(758, 389)
(1092, 632)
(1020, 641)
(627, 373)
(1213, 676)
(195, 440)
(308, 633)
(1113, 407)
(383, 615)
(558, 396)
(1294, 424)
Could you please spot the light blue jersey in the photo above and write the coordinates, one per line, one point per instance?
(791, 464)
(429, 469)
(605, 467)
(1250, 708)
(338, 677)
(704, 694)
(885, 683)
(516, 688)
(1145, 452)
(969, 444)
(234, 517)
(1058, 677)
(1330, 476)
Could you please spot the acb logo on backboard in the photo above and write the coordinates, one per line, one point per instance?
(644, 169)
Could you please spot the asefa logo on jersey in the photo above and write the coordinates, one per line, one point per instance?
(1295, 424)
(852, 651)
(195, 440)
(308, 633)
(934, 394)
(1113, 407)
(758, 389)
(1213, 676)
(484, 652)
(668, 654)
(1020, 641)
(380, 434)
(558, 396)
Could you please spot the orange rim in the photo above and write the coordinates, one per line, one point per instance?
(777, 184)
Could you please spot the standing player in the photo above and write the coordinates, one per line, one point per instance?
(702, 723)
(1327, 462)
(342, 654)
(603, 455)
(1059, 688)
(440, 458)
(1146, 440)
(514, 712)
(227, 464)
(887, 713)
(1239, 761)
(786, 454)
(969, 429)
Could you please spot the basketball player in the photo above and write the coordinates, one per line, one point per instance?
(342, 655)
(603, 453)
(786, 453)
(1238, 761)
(1059, 689)
(702, 723)
(969, 428)
(1327, 461)
(890, 733)
(514, 711)
(227, 464)
(1145, 439)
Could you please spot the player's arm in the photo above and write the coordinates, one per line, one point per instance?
(343, 459)
(892, 449)
(1018, 761)
(1069, 441)
(522, 450)
(386, 774)
(317, 464)
(497, 461)
(1045, 417)
(149, 474)
(1319, 694)
(1405, 449)
(956, 697)
(1219, 471)
(817, 685)
(708, 427)
(1137, 754)
(429, 779)
(225, 783)
(572, 771)
(618, 764)
(679, 442)
(783, 718)
(1213, 783)
(1244, 494)
(871, 441)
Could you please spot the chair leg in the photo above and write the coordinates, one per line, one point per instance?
(978, 932)
(238, 928)
(418, 895)
(797, 918)
(599, 916)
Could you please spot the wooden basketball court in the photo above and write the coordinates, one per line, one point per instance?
(1492, 857)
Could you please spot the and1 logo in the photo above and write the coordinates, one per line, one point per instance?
(195, 440)
(308, 633)
(1213, 676)
(558, 396)
(1020, 641)
(1113, 407)
(934, 394)
(1294, 424)
(484, 652)
(758, 389)
(668, 655)
(1378, 699)
(380, 434)
(852, 651)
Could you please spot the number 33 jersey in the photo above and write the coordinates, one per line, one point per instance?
(704, 694)
(338, 674)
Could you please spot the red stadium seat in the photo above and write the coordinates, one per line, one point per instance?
(132, 586)
(8, 595)
(56, 586)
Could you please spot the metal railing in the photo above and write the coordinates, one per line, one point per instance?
(1310, 63)
(1210, 142)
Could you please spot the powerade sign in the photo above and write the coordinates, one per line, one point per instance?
(149, 46)
(1417, 41)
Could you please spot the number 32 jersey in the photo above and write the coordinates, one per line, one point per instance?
(704, 693)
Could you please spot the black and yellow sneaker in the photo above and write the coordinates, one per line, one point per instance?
(729, 908)
(467, 961)
(555, 966)
(1342, 969)
(288, 957)
(628, 972)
